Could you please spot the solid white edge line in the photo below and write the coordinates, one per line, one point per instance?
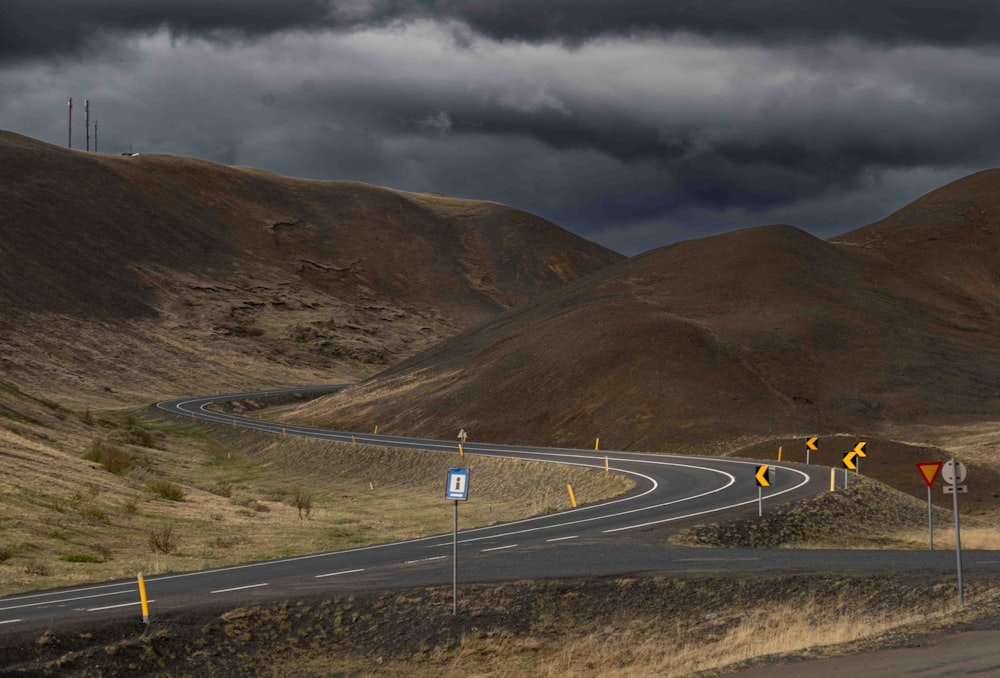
(10, 621)
(111, 607)
(714, 510)
(562, 538)
(337, 574)
(240, 588)
(499, 548)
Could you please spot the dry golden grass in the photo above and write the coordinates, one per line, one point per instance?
(626, 646)
(973, 537)
(67, 520)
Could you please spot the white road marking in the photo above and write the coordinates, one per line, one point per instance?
(423, 560)
(499, 548)
(10, 621)
(714, 510)
(337, 574)
(46, 603)
(562, 538)
(111, 607)
(240, 588)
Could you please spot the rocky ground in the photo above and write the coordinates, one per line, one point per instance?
(686, 625)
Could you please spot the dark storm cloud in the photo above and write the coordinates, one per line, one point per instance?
(42, 28)
(39, 28)
(576, 21)
(634, 123)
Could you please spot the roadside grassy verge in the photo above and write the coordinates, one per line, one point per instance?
(131, 492)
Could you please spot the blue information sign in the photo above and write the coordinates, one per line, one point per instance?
(458, 484)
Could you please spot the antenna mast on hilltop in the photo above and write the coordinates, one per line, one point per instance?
(86, 119)
(69, 143)
(95, 136)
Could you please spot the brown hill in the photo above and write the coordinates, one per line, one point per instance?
(151, 274)
(729, 338)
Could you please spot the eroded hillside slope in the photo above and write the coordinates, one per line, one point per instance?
(155, 274)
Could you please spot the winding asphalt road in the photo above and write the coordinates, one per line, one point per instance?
(619, 536)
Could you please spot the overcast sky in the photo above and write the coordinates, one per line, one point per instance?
(634, 123)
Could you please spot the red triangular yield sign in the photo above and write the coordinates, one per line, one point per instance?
(929, 470)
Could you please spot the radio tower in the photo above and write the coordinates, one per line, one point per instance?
(69, 143)
(86, 119)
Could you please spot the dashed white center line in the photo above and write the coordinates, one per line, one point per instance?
(111, 607)
(562, 538)
(240, 588)
(10, 621)
(499, 548)
(337, 574)
(423, 560)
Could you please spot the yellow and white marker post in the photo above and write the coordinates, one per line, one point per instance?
(572, 497)
(597, 444)
(143, 600)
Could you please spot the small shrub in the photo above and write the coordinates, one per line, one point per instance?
(37, 569)
(113, 459)
(222, 488)
(303, 502)
(253, 504)
(228, 542)
(167, 490)
(93, 514)
(163, 540)
(141, 437)
(5, 552)
(87, 417)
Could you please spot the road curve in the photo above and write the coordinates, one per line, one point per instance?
(610, 537)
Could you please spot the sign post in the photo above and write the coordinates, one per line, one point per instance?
(763, 480)
(859, 450)
(457, 490)
(811, 446)
(849, 464)
(954, 472)
(929, 470)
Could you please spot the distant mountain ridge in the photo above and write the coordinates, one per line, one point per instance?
(730, 337)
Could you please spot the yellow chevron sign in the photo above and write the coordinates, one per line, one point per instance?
(849, 461)
(761, 476)
(811, 443)
(859, 449)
